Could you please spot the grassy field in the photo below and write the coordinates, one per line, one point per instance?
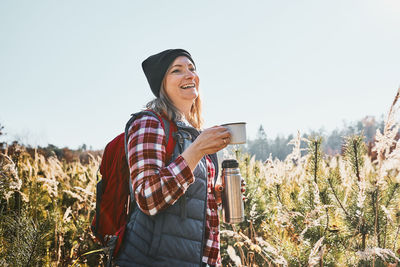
(307, 210)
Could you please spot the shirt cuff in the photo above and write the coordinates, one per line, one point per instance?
(180, 169)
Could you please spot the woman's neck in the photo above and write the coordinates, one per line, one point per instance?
(185, 110)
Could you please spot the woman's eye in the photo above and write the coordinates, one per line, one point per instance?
(175, 71)
(192, 69)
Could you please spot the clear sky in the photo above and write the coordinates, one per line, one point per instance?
(70, 71)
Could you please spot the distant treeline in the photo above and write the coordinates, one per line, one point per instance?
(262, 146)
(82, 154)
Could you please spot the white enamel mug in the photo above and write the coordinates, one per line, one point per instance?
(238, 132)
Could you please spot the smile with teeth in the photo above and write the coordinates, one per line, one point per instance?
(189, 85)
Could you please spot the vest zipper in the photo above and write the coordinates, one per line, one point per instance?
(205, 218)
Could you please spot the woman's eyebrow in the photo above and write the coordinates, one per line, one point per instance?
(180, 65)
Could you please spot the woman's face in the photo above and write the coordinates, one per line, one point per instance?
(181, 82)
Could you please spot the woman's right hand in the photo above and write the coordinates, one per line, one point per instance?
(210, 141)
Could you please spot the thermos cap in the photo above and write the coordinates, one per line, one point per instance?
(230, 163)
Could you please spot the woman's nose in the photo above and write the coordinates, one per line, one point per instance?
(190, 74)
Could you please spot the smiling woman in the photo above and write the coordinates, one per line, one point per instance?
(175, 217)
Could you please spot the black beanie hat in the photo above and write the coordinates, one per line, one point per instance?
(156, 66)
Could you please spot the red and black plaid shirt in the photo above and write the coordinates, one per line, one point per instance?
(157, 186)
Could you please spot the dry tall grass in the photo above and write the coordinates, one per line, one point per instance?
(316, 210)
(307, 210)
(47, 202)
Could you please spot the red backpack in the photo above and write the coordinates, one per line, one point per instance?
(113, 193)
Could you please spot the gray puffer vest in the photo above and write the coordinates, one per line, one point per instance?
(175, 236)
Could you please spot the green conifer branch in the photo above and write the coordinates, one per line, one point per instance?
(395, 238)
(337, 198)
(316, 158)
(391, 194)
(356, 160)
(314, 148)
(32, 250)
(376, 221)
(354, 150)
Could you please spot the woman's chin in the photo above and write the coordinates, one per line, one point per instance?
(190, 95)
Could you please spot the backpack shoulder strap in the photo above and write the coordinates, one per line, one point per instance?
(170, 128)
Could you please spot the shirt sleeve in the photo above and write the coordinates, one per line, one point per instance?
(155, 185)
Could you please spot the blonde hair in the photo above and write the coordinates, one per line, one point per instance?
(164, 105)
